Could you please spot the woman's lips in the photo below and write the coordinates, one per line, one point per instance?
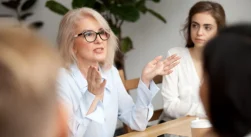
(98, 50)
(199, 40)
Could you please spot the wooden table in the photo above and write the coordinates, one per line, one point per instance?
(179, 126)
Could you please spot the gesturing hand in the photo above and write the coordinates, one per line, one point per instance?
(159, 67)
(95, 84)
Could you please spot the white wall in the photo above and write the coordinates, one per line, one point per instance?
(150, 36)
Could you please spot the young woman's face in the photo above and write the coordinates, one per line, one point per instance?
(203, 28)
(89, 46)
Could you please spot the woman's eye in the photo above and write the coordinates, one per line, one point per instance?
(194, 26)
(88, 34)
(208, 28)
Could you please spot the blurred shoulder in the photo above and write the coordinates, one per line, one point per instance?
(178, 50)
(112, 72)
(63, 72)
(64, 76)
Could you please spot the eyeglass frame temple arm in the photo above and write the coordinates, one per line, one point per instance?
(78, 35)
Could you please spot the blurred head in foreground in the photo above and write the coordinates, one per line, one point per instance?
(226, 91)
(28, 73)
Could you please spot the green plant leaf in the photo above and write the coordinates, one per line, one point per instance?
(28, 4)
(126, 2)
(141, 6)
(78, 3)
(99, 7)
(157, 1)
(157, 15)
(11, 4)
(115, 30)
(125, 12)
(107, 3)
(90, 3)
(24, 16)
(36, 25)
(82, 3)
(56, 7)
(126, 44)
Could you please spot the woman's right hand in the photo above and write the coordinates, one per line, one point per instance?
(95, 84)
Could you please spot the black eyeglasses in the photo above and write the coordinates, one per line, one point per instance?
(91, 35)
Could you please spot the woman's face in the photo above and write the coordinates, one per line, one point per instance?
(203, 28)
(86, 48)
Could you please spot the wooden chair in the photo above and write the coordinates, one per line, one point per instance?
(133, 84)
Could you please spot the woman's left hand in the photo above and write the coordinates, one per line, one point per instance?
(159, 67)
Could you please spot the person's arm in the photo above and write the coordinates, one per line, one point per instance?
(135, 115)
(78, 106)
(174, 106)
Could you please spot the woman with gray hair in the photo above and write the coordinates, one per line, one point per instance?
(91, 87)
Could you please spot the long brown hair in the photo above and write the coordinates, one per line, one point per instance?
(215, 9)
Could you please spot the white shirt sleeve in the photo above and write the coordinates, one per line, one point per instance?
(174, 105)
(136, 115)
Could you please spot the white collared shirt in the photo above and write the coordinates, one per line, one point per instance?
(180, 89)
(117, 103)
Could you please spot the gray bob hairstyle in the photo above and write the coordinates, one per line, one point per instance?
(66, 34)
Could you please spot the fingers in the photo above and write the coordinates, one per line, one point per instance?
(89, 74)
(101, 89)
(169, 72)
(171, 66)
(97, 76)
(93, 74)
(175, 58)
(159, 64)
(156, 60)
(94, 81)
(89, 80)
(102, 85)
(169, 63)
(171, 59)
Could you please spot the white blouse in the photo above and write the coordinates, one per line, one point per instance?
(180, 89)
(117, 103)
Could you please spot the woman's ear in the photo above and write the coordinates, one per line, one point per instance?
(62, 121)
(74, 50)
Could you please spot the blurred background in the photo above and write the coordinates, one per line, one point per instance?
(145, 32)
